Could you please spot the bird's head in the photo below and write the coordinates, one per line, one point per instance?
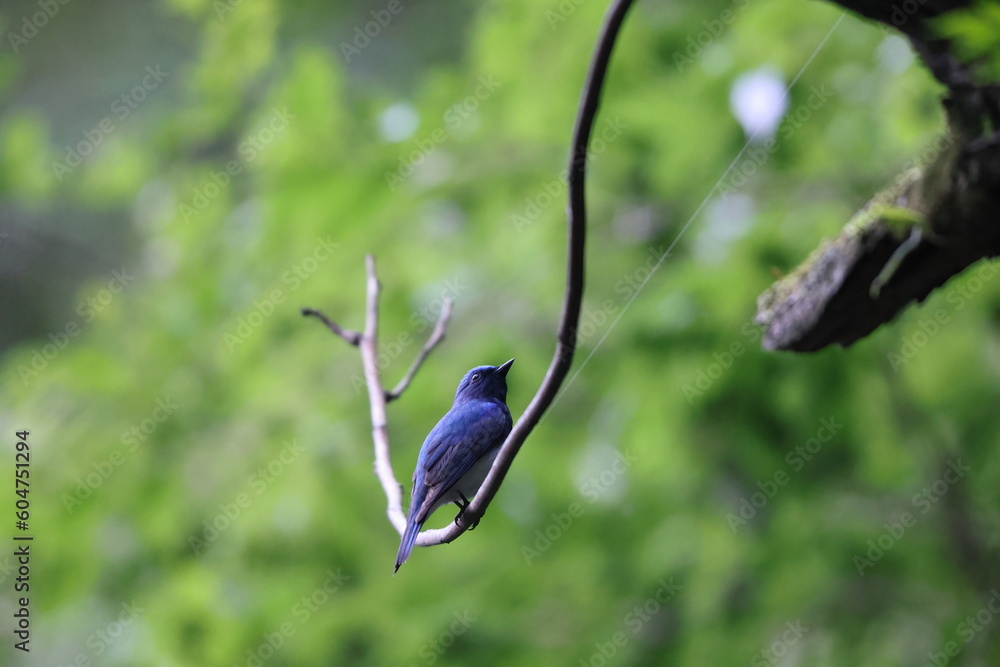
(484, 382)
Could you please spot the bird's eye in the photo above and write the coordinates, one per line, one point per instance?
(475, 377)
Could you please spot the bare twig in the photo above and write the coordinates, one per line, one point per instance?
(352, 337)
(376, 397)
(367, 341)
(436, 337)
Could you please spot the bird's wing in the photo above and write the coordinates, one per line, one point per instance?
(463, 435)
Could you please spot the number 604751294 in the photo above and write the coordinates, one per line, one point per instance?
(22, 472)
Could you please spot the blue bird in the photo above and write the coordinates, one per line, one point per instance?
(459, 451)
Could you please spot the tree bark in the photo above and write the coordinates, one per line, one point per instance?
(862, 279)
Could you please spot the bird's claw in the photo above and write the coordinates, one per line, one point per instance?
(462, 505)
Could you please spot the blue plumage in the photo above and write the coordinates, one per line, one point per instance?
(459, 450)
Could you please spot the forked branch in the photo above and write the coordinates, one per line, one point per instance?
(367, 343)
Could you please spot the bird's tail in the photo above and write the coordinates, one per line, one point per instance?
(414, 522)
(406, 544)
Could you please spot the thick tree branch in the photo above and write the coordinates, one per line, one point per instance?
(565, 337)
(933, 222)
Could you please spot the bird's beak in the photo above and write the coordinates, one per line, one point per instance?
(502, 370)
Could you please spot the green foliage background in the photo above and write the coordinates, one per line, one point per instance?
(564, 557)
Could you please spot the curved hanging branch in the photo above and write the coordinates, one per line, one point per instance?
(565, 337)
